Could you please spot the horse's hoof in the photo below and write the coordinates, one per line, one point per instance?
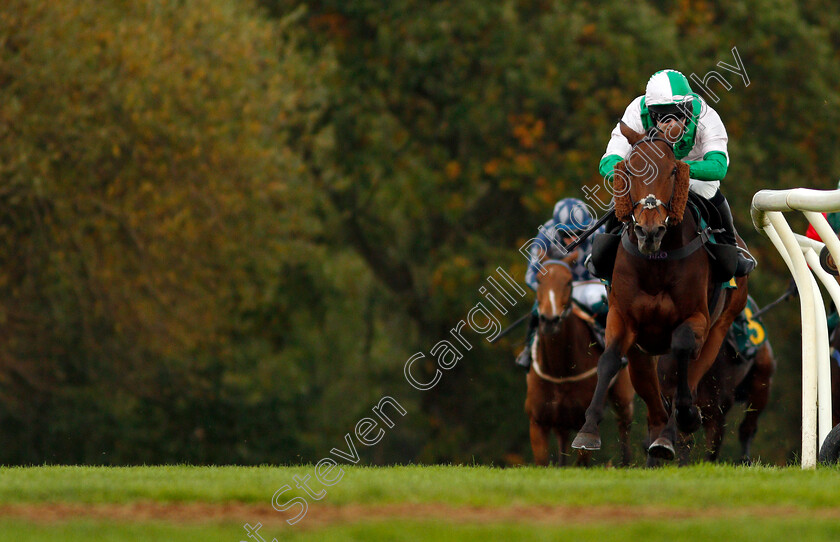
(662, 448)
(688, 419)
(586, 441)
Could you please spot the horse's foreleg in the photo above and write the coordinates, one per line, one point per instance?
(685, 342)
(618, 342)
(734, 302)
(709, 351)
(714, 434)
(621, 396)
(539, 443)
(588, 438)
(685, 442)
(583, 459)
(757, 397)
(562, 441)
(646, 382)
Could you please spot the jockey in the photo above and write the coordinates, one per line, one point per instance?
(699, 139)
(569, 219)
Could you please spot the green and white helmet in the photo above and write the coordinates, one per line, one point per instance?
(669, 94)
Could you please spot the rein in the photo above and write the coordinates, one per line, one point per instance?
(565, 380)
(653, 136)
(651, 202)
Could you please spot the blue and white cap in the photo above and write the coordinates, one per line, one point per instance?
(571, 215)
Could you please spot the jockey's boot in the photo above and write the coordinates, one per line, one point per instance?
(746, 262)
(523, 360)
(603, 250)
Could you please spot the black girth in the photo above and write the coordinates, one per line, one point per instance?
(663, 255)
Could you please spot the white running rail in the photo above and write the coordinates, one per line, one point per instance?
(799, 253)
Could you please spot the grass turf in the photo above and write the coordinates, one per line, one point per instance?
(390, 531)
(680, 489)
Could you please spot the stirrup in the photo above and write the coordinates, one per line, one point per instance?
(746, 262)
(745, 252)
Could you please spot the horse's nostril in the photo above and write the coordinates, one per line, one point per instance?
(640, 232)
(660, 231)
(555, 320)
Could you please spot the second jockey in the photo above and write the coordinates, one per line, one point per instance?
(569, 219)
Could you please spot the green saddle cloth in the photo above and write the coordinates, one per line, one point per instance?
(748, 333)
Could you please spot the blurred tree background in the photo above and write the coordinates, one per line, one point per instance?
(225, 226)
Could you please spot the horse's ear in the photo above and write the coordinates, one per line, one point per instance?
(680, 195)
(621, 192)
(632, 135)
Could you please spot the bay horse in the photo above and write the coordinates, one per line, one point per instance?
(731, 379)
(662, 289)
(561, 380)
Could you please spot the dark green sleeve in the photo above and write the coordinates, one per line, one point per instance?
(711, 168)
(605, 168)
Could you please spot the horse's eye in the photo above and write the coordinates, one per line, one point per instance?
(674, 172)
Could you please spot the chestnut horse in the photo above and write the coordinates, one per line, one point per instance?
(662, 286)
(562, 376)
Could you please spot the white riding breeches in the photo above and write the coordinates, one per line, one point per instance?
(589, 292)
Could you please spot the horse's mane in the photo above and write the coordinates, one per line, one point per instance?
(680, 197)
(621, 191)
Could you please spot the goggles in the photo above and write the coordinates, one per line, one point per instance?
(667, 112)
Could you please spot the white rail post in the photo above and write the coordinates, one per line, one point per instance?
(804, 282)
(799, 252)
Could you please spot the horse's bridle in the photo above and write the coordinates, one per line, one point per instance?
(651, 202)
(535, 364)
(568, 310)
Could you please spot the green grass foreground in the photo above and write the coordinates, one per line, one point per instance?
(748, 500)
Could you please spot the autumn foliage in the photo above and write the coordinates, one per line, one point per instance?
(224, 226)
